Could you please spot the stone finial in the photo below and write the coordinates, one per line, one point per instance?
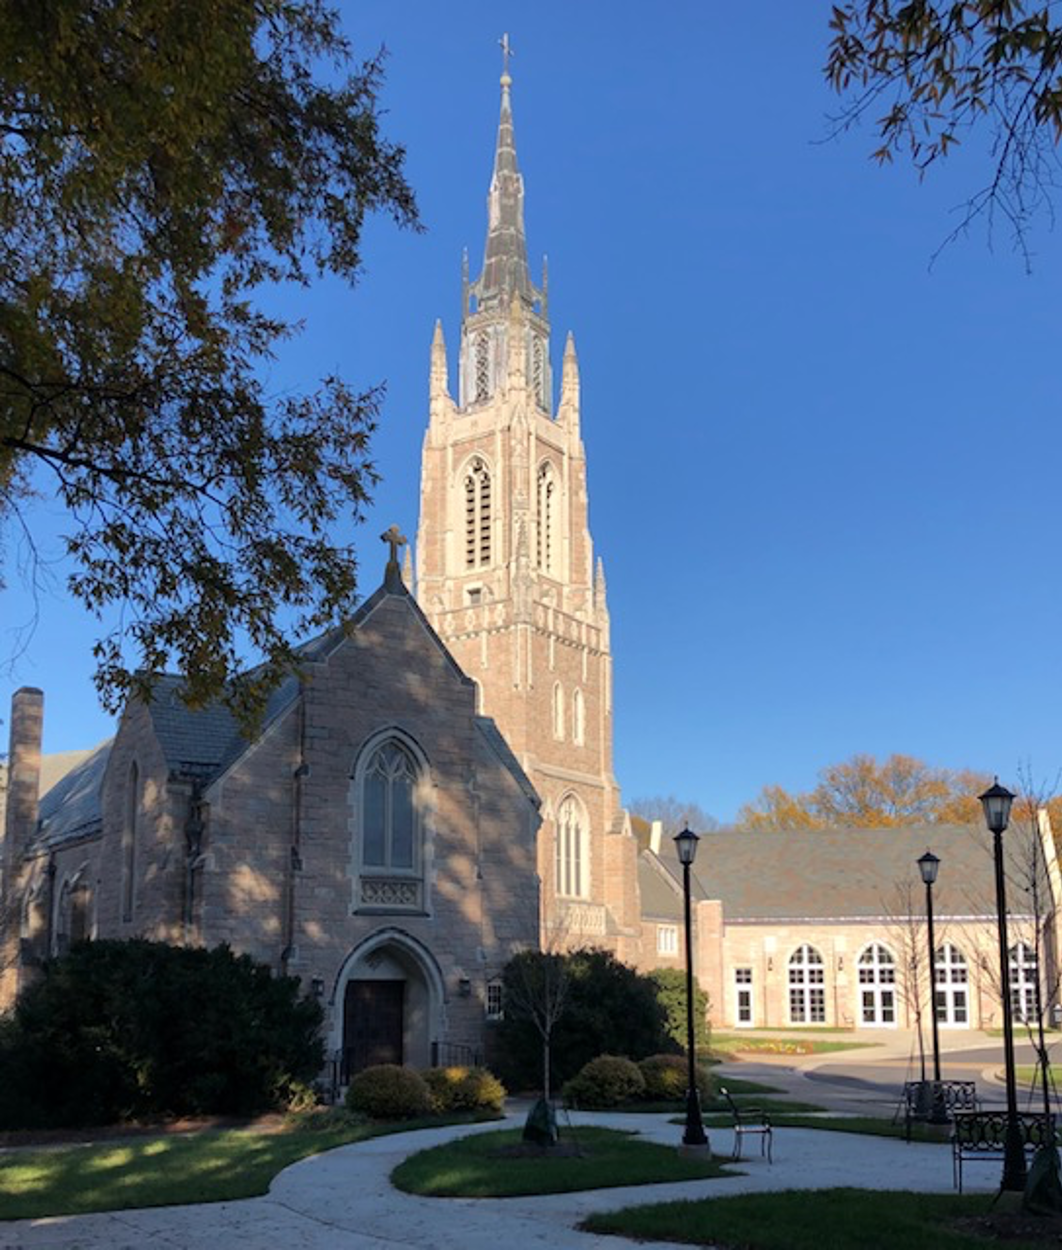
(23, 772)
(439, 377)
(392, 574)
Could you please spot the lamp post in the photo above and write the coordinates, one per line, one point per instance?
(996, 802)
(929, 867)
(693, 1136)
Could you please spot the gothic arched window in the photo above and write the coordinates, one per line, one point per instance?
(129, 841)
(570, 866)
(807, 986)
(547, 523)
(482, 367)
(578, 717)
(477, 514)
(389, 810)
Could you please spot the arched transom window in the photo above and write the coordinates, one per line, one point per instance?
(807, 985)
(571, 868)
(547, 519)
(477, 514)
(950, 986)
(877, 986)
(1024, 982)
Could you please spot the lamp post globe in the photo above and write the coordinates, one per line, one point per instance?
(693, 1136)
(996, 802)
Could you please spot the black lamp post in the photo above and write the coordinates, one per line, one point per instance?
(997, 801)
(693, 1136)
(929, 867)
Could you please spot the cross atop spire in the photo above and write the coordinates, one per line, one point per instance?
(507, 52)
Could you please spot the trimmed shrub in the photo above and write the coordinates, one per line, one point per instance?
(460, 1088)
(604, 1083)
(120, 1029)
(665, 1078)
(389, 1092)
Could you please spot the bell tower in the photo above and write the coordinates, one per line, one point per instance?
(506, 571)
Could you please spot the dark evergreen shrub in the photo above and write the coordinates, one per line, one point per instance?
(609, 1008)
(120, 1029)
(389, 1092)
(671, 991)
(604, 1083)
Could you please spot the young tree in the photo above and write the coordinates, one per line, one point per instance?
(930, 73)
(161, 164)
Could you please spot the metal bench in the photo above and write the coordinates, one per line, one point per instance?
(981, 1136)
(920, 1099)
(749, 1120)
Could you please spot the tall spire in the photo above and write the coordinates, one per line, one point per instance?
(505, 271)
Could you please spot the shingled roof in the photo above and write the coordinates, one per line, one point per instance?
(846, 873)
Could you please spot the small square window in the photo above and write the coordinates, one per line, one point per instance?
(667, 940)
(475, 595)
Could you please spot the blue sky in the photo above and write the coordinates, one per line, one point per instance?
(823, 474)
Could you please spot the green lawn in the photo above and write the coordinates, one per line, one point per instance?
(170, 1169)
(844, 1217)
(478, 1165)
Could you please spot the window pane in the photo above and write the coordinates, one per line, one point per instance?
(402, 823)
(375, 820)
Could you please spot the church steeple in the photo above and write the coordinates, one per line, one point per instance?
(505, 271)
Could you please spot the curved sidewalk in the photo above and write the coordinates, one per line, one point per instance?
(344, 1199)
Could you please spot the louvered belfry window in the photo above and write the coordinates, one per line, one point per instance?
(477, 515)
(482, 367)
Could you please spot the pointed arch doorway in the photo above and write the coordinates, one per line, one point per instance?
(390, 991)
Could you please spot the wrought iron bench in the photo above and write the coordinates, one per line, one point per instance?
(981, 1136)
(749, 1120)
(919, 1100)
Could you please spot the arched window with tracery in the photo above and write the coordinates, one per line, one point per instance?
(877, 986)
(951, 978)
(558, 711)
(389, 819)
(130, 837)
(571, 868)
(578, 717)
(807, 986)
(1024, 983)
(477, 514)
(546, 500)
(482, 367)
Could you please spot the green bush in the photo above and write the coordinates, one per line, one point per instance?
(459, 1088)
(604, 1083)
(119, 1029)
(666, 1076)
(608, 1007)
(671, 992)
(389, 1093)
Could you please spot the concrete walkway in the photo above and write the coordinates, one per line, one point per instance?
(344, 1199)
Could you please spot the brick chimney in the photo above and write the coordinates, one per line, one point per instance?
(23, 774)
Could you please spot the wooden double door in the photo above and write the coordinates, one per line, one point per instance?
(373, 1023)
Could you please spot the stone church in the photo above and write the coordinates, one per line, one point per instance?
(433, 791)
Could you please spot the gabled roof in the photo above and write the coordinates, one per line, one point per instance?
(841, 873)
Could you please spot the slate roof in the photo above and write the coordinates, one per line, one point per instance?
(71, 808)
(820, 874)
